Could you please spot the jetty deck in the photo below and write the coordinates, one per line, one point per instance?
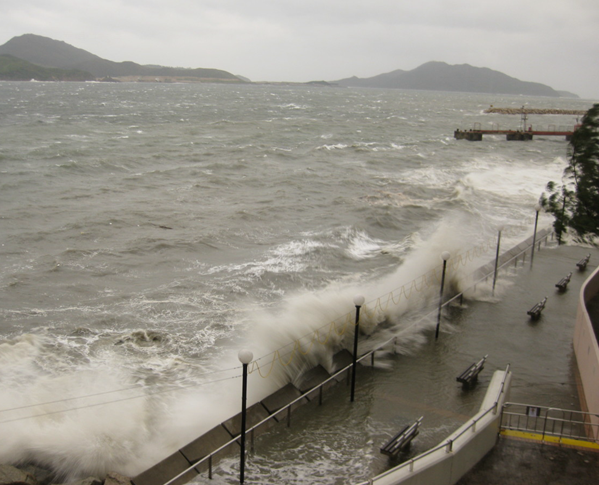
(526, 133)
(510, 135)
(535, 111)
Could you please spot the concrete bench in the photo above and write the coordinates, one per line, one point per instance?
(535, 311)
(470, 375)
(582, 264)
(402, 439)
(563, 283)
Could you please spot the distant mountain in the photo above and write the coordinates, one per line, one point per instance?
(49, 53)
(440, 76)
(14, 69)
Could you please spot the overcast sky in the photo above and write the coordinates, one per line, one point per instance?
(554, 42)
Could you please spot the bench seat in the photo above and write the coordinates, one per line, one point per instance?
(470, 375)
(535, 311)
(402, 439)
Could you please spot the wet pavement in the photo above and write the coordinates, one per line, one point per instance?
(514, 461)
(518, 462)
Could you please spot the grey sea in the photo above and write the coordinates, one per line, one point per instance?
(148, 232)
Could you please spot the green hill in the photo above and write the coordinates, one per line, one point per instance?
(440, 76)
(14, 69)
(51, 53)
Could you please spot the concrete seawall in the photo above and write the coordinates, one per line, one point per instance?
(177, 468)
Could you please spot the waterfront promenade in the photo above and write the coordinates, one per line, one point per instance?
(422, 382)
(517, 462)
(528, 462)
(541, 357)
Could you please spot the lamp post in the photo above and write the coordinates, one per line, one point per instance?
(496, 259)
(444, 256)
(245, 357)
(534, 234)
(358, 302)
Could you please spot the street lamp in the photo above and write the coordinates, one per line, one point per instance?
(496, 259)
(534, 234)
(444, 256)
(245, 357)
(358, 302)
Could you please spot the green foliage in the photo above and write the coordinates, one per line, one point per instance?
(575, 203)
(15, 69)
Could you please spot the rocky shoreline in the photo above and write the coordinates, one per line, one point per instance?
(34, 475)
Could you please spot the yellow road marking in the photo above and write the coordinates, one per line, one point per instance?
(550, 439)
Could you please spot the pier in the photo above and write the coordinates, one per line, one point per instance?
(535, 111)
(526, 132)
(510, 135)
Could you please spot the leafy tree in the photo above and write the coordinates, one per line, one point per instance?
(575, 203)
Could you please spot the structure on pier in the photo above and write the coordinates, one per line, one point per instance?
(535, 111)
(476, 134)
(525, 132)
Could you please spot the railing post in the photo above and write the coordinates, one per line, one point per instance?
(289, 417)
(210, 467)
(358, 302)
(545, 424)
(444, 256)
(496, 260)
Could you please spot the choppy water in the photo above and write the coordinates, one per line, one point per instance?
(150, 231)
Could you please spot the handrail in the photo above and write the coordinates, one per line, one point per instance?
(583, 421)
(268, 418)
(448, 444)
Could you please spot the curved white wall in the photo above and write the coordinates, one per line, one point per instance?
(587, 350)
(470, 443)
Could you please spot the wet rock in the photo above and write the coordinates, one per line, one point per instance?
(87, 481)
(43, 476)
(114, 478)
(10, 475)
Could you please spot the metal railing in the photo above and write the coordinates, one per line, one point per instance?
(447, 444)
(550, 422)
(285, 410)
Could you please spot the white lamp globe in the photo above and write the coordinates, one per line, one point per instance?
(245, 356)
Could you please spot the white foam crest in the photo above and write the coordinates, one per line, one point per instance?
(337, 146)
(362, 246)
(516, 182)
(140, 425)
(307, 318)
(98, 418)
(291, 257)
(47, 419)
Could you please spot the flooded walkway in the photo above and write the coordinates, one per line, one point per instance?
(517, 462)
(338, 442)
